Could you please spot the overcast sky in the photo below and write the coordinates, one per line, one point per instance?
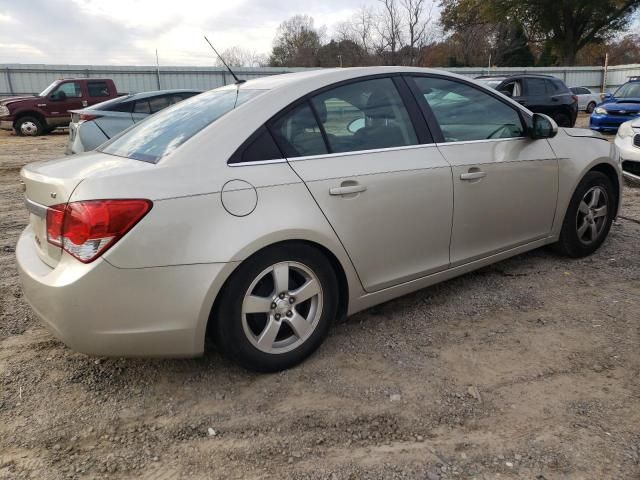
(127, 32)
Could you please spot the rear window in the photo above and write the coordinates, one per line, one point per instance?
(160, 134)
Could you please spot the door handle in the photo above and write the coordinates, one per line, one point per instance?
(347, 189)
(472, 175)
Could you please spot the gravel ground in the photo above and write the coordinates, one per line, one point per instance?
(529, 368)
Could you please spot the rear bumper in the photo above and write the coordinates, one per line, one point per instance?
(99, 309)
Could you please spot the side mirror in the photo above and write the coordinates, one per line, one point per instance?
(58, 96)
(542, 127)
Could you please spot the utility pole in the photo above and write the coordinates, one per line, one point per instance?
(158, 70)
(340, 60)
(604, 72)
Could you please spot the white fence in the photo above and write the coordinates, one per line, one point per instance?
(18, 79)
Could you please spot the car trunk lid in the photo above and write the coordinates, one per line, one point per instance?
(52, 183)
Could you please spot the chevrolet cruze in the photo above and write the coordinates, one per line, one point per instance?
(260, 212)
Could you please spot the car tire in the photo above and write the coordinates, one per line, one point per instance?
(591, 107)
(28, 127)
(260, 323)
(585, 226)
(562, 119)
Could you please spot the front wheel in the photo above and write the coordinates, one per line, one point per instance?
(591, 107)
(589, 216)
(276, 308)
(29, 127)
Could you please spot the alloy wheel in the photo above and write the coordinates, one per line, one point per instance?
(282, 307)
(592, 215)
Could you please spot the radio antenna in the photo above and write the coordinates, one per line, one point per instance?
(238, 81)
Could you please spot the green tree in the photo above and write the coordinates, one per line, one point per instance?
(566, 26)
(512, 47)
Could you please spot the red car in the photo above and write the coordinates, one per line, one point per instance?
(35, 115)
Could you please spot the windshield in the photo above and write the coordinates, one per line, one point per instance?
(162, 133)
(48, 90)
(628, 90)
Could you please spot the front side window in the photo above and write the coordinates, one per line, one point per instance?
(98, 89)
(512, 88)
(158, 103)
(364, 115)
(466, 113)
(69, 90)
(160, 134)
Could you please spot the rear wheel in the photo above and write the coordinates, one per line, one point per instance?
(589, 216)
(276, 308)
(562, 119)
(28, 127)
(591, 107)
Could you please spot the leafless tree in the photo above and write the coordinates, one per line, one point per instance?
(240, 57)
(389, 29)
(418, 15)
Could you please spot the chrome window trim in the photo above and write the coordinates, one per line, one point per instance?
(35, 208)
(377, 150)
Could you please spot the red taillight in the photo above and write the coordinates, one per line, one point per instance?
(575, 98)
(87, 229)
(85, 117)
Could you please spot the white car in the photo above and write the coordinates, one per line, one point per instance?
(258, 213)
(587, 100)
(628, 142)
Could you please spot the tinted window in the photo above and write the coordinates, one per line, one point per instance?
(71, 89)
(364, 116)
(260, 147)
(298, 133)
(512, 88)
(142, 106)
(158, 103)
(467, 113)
(120, 107)
(162, 133)
(536, 87)
(98, 89)
(561, 87)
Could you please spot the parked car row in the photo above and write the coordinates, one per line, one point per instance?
(260, 212)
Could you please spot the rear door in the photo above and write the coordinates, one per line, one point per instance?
(363, 151)
(505, 184)
(538, 98)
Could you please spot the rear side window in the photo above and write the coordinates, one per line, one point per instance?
(259, 148)
(142, 106)
(298, 133)
(121, 107)
(559, 86)
(536, 87)
(158, 103)
(98, 89)
(365, 115)
(162, 133)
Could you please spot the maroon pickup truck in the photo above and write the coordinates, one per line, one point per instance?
(35, 115)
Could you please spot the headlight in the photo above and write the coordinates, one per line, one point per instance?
(4, 111)
(626, 130)
(600, 111)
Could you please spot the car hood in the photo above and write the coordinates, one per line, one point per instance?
(10, 100)
(629, 104)
(584, 132)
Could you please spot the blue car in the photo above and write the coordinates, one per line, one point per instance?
(618, 108)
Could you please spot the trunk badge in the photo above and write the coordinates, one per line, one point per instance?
(53, 194)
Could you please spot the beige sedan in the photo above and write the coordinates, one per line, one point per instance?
(258, 213)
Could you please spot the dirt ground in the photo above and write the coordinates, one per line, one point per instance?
(529, 368)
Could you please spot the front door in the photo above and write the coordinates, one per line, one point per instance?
(505, 184)
(67, 96)
(387, 195)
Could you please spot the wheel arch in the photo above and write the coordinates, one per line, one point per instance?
(332, 258)
(612, 175)
(29, 113)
